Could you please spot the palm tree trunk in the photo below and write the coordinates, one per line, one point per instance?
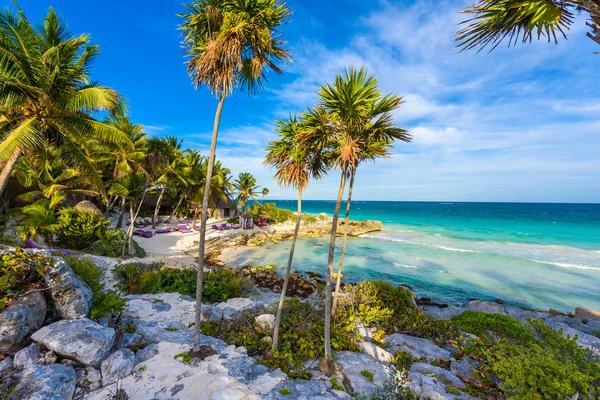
(201, 253)
(195, 218)
(8, 169)
(157, 208)
(127, 244)
(175, 209)
(132, 226)
(327, 364)
(122, 214)
(344, 243)
(287, 275)
(111, 204)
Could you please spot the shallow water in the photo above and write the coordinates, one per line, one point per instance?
(534, 255)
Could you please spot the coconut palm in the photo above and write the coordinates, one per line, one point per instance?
(220, 188)
(171, 171)
(191, 173)
(133, 187)
(39, 218)
(264, 193)
(46, 93)
(246, 188)
(295, 165)
(351, 113)
(492, 21)
(230, 44)
(369, 152)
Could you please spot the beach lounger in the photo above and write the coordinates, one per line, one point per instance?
(235, 226)
(183, 229)
(166, 229)
(216, 227)
(142, 233)
(32, 245)
(225, 227)
(196, 228)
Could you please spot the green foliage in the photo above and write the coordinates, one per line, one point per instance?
(481, 323)
(185, 357)
(104, 303)
(549, 367)
(219, 285)
(130, 328)
(20, 272)
(403, 361)
(335, 385)
(276, 215)
(39, 219)
(367, 374)
(300, 336)
(285, 391)
(110, 244)
(306, 218)
(388, 307)
(596, 333)
(79, 229)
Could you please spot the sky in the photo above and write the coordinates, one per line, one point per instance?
(519, 124)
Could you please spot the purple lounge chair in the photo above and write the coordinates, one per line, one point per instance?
(217, 227)
(235, 226)
(225, 227)
(166, 229)
(32, 245)
(142, 233)
(183, 229)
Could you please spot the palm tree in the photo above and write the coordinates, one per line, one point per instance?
(171, 171)
(264, 193)
(39, 218)
(295, 164)
(350, 113)
(369, 152)
(132, 187)
(492, 21)
(122, 160)
(191, 173)
(46, 93)
(230, 44)
(246, 188)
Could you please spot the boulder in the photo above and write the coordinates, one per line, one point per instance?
(146, 353)
(22, 317)
(117, 366)
(6, 364)
(584, 313)
(168, 310)
(46, 382)
(356, 228)
(428, 387)
(266, 322)
(301, 389)
(372, 350)
(81, 340)
(443, 375)
(72, 297)
(365, 331)
(27, 357)
(417, 347)
(587, 341)
(87, 206)
(357, 370)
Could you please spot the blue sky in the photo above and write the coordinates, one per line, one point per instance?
(520, 124)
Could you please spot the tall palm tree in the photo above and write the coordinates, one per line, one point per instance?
(350, 113)
(246, 188)
(46, 93)
(295, 165)
(171, 170)
(492, 21)
(370, 151)
(264, 193)
(191, 173)
(133, 187)
(230, 44)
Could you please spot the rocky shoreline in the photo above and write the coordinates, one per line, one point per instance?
(70, 356)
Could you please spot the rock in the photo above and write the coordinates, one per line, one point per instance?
(49, 358)
(129, 339)
(366, 332)
(117, 366)
(87, 206)
(71, 296)
(93, 375)
(266, 383)
(167, 310)
(359, 228)
(584, 313)
(354, 366)
(445, 376)
(146, 353)
(301, 390)
(27, 357)
(427, 387)
(265, 322)
(6, 364)
(372, 350)
(81, 339)
(21, 318)
(464, 369)
(417, 347)
(46, 382)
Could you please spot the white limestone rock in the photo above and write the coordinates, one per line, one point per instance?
(72, 297)
(117, 366)
(266, 322)
(416, 347)
(81, 340)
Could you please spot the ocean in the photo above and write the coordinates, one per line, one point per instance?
(530, 255)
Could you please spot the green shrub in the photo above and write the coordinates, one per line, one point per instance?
(104, 303)
(276, 215)
(482, 323)
(285, 391)
(20, 272)
(300, 336)
(79, 229)
(596, 333)
(111, 244)
(219, 285)
(185, 357)
(551, 367)
(367, 374)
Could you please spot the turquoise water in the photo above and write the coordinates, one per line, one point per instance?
(534, 255)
